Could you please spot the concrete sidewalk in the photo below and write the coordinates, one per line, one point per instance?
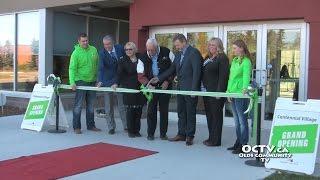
(174, 160)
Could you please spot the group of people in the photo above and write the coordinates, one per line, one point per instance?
(117, 66)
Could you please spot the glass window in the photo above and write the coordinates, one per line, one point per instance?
(123, 33)
(196, 39)
(28, 50)
(7, 51)
(166, 40)
(200, 40)
(98, 28)
(283, 62)
(61, 67)
(250, 38)
(66, 29)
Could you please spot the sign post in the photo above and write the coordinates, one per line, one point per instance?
(57, 105)
(256, 131)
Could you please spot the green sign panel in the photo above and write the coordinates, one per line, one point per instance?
(296, 138)
(37, 110)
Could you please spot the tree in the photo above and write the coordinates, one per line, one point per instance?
(6, 56)
(202, 42)
(33, 64)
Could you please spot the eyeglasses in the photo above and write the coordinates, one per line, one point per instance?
(128, 49)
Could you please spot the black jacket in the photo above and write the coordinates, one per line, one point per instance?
(215, 74)
(164, 63)
(188, 73)
(128, 78)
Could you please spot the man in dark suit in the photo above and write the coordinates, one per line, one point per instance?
(187, 68)
(154, 62)
(107, 77)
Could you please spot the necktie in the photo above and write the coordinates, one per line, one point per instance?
(113, 55)
(181, 58)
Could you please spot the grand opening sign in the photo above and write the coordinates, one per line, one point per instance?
(296, 128)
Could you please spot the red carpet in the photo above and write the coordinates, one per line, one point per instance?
(62, 163)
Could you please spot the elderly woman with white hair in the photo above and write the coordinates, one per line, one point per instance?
(128, 78)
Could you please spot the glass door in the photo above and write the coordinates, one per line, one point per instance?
(251, 35)
(164, 36)
(197, 36)
(278, 53)
(284, 61)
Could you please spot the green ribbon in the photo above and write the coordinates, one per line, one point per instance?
(146, 93)
(55, 81)
(252, 94)
(177, 92)
(101, 89)
(254, 106)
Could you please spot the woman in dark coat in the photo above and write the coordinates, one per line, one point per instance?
(214, 79)
(128, 78)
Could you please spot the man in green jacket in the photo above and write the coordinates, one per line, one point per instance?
(83, 72)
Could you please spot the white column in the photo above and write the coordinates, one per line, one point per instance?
(45, 45)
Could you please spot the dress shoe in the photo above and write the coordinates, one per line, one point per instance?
(178, 138)
(150, 137)
(231, 148)
(137, 134)
(164, 137)
(234, 147)
(77, 131)
(94, 129)
(238, 150)
(111, 131)
(131, 135)
(205, 141)
(189, 141)
(208, 143)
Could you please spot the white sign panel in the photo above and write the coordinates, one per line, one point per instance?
(296, 128)
(41, 109)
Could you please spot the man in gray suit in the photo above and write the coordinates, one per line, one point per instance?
(187, 67)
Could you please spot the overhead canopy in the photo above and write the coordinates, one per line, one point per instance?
(9, 6)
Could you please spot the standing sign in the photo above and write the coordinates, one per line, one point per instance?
(41, 109)
(295, 129)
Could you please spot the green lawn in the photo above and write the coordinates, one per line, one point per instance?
(279, 175)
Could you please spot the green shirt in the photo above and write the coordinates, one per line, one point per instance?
(240, 73)
(83, 64)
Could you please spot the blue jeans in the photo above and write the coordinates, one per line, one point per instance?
(239, 106)
(90, 97)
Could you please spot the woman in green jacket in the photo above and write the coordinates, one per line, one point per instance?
(239, 80)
